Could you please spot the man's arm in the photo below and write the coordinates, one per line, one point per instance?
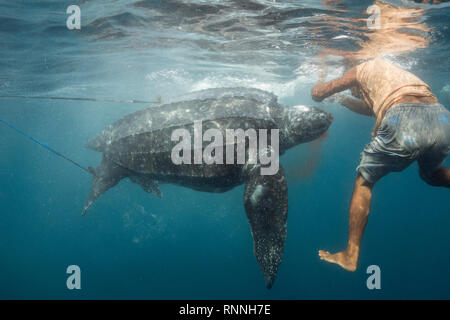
(356, 105)
(326, 89)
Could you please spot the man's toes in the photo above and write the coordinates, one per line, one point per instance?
(324, 255)
(329, 257)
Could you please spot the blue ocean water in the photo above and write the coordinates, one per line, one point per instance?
(188, 244)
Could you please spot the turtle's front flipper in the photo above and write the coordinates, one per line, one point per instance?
(107, 175)
(266, 205)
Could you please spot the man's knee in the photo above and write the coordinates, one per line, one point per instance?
(439, 178)
(362, 194)
(363, 182)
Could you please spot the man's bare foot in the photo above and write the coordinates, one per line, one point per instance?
(345, 260)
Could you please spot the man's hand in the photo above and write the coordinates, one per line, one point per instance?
(317, 92)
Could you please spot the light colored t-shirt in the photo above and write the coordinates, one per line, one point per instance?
(382, 85)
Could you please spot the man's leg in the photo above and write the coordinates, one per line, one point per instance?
(359, 212)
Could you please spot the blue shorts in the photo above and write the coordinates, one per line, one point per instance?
(408, 132)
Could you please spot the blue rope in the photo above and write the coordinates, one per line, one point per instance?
(43, 144)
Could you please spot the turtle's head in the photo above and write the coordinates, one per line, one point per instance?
(300, 124)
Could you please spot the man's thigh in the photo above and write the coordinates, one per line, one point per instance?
(376, 163)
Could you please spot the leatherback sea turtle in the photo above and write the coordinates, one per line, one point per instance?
(139, 147)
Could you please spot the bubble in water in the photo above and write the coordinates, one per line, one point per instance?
(445, 94)
(143, 225)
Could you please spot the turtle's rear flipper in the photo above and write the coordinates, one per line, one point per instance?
(107, 175)
(147, 184)
(266, 205)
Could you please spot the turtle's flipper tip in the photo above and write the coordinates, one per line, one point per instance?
(269, 281)
(86, 207)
